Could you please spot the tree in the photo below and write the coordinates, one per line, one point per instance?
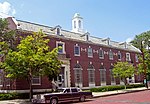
(142, 41)
(7, 36)
(145, 37)
(123, 70)
(7, 41)
(33, 57)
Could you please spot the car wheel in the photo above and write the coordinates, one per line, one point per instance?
(82, 98)
(53, 101)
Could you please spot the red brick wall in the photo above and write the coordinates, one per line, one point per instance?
(84, 61)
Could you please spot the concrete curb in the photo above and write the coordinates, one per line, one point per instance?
(118, 92)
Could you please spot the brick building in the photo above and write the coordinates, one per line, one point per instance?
(87, 60)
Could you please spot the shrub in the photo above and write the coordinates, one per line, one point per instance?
(117, 87)
(9, 96)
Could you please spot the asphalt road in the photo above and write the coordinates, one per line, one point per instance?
(142, 97)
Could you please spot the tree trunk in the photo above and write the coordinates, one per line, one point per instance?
(125, 83)
(30, 85)
(30, 93)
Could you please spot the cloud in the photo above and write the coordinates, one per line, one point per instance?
(128, 40)
(7, 8)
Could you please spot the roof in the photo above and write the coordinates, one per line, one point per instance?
(28, 26)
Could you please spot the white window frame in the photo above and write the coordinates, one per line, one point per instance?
(90, 52)
(63, 46)
(119, 54)
(37, 78)
(111, 56)
(75, 50)
(102, 54)
(129, 57)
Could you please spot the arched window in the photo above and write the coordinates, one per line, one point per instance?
(74, 24)
(78, 75)
(79, 22)
(102, 75)
(91, 74)
(58, 31)
(111, 75)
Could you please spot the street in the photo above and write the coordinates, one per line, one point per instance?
(142, 97)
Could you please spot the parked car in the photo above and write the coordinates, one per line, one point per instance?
(62, 95)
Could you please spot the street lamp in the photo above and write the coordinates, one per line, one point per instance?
(144, 65)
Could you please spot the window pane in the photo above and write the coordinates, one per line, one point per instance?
(58, 31)
(78, 75)
(110, 55)
(119, 55)
(36, 80)
(101, 53)
(60, 50)
(91, 76)
(103, 76)
(76, 50)
(90, 53)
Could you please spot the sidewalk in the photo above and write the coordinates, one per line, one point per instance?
(95, 95)
(108, 93)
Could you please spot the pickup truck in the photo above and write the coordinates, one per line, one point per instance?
(62, 95)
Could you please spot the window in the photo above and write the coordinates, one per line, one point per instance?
(78, 74)
(119, 55)
(74, 90)
(128, 57)
(110, 55)
(1, 77)
(77, 50)
(101, 54)
(79, 22)
(91, 76)
(36, 80)
(58, 31)
(103, 75)
(112, 77)
(90, 53)
(136, 58)
(74, 24)
(61, 49)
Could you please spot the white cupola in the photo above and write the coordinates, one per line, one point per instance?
(77, 23)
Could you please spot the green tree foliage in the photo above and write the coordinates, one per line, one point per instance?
(145, 37)
(7, 36)
(142, 41)
(123, 70)
(33, 57)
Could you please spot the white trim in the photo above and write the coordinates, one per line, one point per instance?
(91, 69)
(63, 46)
(129, 56)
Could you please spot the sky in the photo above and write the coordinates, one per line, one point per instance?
(120, 20)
